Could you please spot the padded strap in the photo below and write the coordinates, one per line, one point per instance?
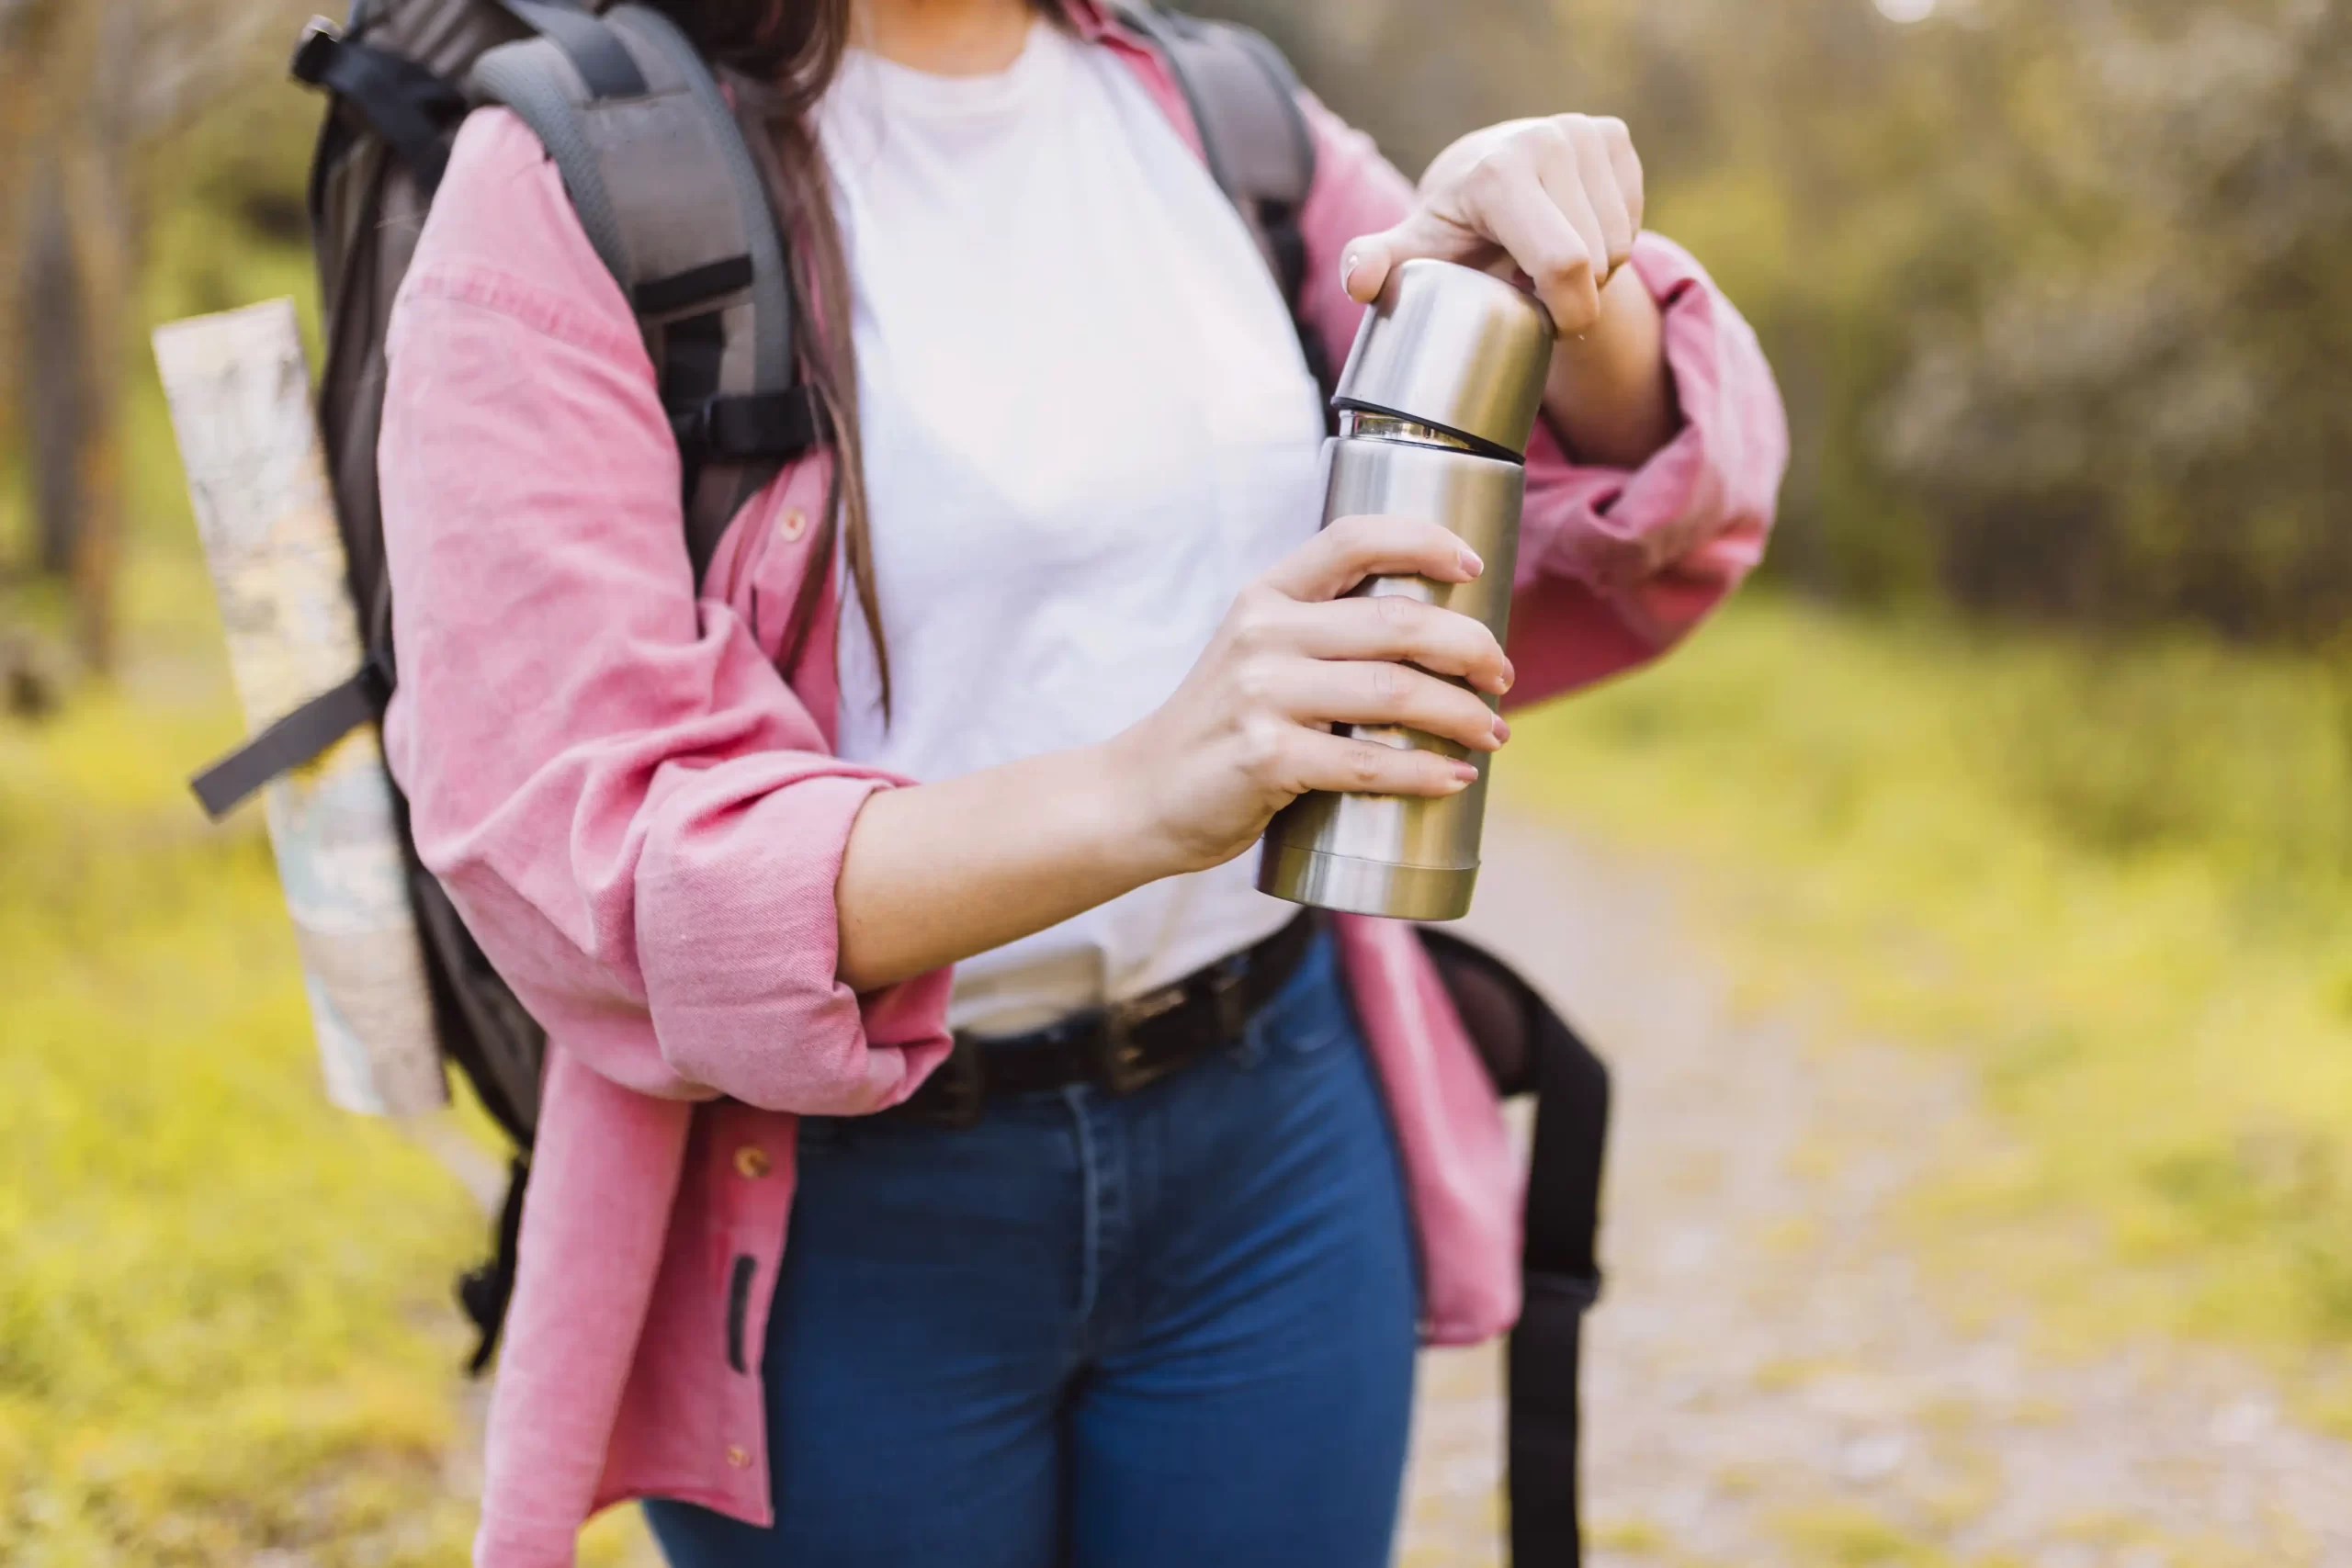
(410, 107)
(1244, 102)
(670, 195)
(605, 66)
(301, 737)
(521, 76)
(1243, 97)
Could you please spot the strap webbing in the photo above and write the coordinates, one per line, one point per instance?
(484, 1291)
(1560, 1278)
(411, 109)
(1528, 1047)
(605, 64)
(696, 286)
(300, 737)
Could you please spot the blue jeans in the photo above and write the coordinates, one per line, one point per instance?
(1157, 1332)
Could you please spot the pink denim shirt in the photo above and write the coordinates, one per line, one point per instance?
(641, 818)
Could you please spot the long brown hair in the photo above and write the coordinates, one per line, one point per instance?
(779, 56)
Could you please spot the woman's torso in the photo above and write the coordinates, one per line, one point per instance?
(1086, 425)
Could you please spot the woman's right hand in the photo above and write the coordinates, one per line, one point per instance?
(1248, 731)
(934, 873)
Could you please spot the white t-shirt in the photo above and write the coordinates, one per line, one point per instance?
(1086, 425)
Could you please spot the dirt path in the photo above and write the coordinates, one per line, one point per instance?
(1768, 1380)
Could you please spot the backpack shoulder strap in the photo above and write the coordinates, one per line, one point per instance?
(671, 197)
(1244, 100)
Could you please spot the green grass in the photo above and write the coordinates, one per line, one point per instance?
(2116, 882)
(223, 1319)
(225, 1314)
(221, 1322)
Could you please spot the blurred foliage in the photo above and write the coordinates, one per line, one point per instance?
(225, 1321)
(222, 1324)
(2116, 889)
(95, 97)
(226, 1334)
(2060, 290)
(2056, 293)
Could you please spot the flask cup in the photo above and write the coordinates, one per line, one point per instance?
(1436, 404)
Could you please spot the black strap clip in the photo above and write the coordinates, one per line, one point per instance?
(413, 109)
(751, 427)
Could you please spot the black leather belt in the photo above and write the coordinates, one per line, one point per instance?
(1121, 1048)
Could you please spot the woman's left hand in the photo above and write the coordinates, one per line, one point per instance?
(1559, 197)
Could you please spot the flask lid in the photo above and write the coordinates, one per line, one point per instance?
(1454, 348)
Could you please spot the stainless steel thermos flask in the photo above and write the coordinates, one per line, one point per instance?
(1436, 404)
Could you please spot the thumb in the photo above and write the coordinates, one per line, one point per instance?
(1366, 264)
(1367, 259)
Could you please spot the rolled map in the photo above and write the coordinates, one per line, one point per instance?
(240, 394)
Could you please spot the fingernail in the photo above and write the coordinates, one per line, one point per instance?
(1348, 269)
(1511, 674)
(1465, 773)
(1470, 561)
(1502, 730)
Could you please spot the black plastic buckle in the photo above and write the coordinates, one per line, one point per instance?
(955, 1095)
(377, 679)
(318, 41)
(691, 428)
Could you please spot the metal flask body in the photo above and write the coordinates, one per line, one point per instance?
(1437, 402)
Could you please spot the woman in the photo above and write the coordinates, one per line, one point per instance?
(967, 733)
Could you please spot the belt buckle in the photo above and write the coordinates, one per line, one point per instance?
(1119, 1064)
(960, 1086)
(1225, 996)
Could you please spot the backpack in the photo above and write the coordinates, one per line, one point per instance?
(670, 198)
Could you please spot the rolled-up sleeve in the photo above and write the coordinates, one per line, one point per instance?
(638, 820)
(1615, 565)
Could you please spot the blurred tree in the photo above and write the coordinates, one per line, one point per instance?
(88, 86)
(2159, 421)
(1413, 77)
(50, 307)
(2059, 290)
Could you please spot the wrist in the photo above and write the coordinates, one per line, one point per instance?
(1118, 779)
(1628, 324)
(1608, 394)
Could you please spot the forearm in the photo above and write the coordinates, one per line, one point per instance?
(1610, 395)
(936, 873)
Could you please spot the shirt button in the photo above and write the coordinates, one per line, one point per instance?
(739, 1456)
(751, 1162)
(793, 524)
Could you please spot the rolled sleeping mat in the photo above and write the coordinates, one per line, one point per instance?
(238, 391)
